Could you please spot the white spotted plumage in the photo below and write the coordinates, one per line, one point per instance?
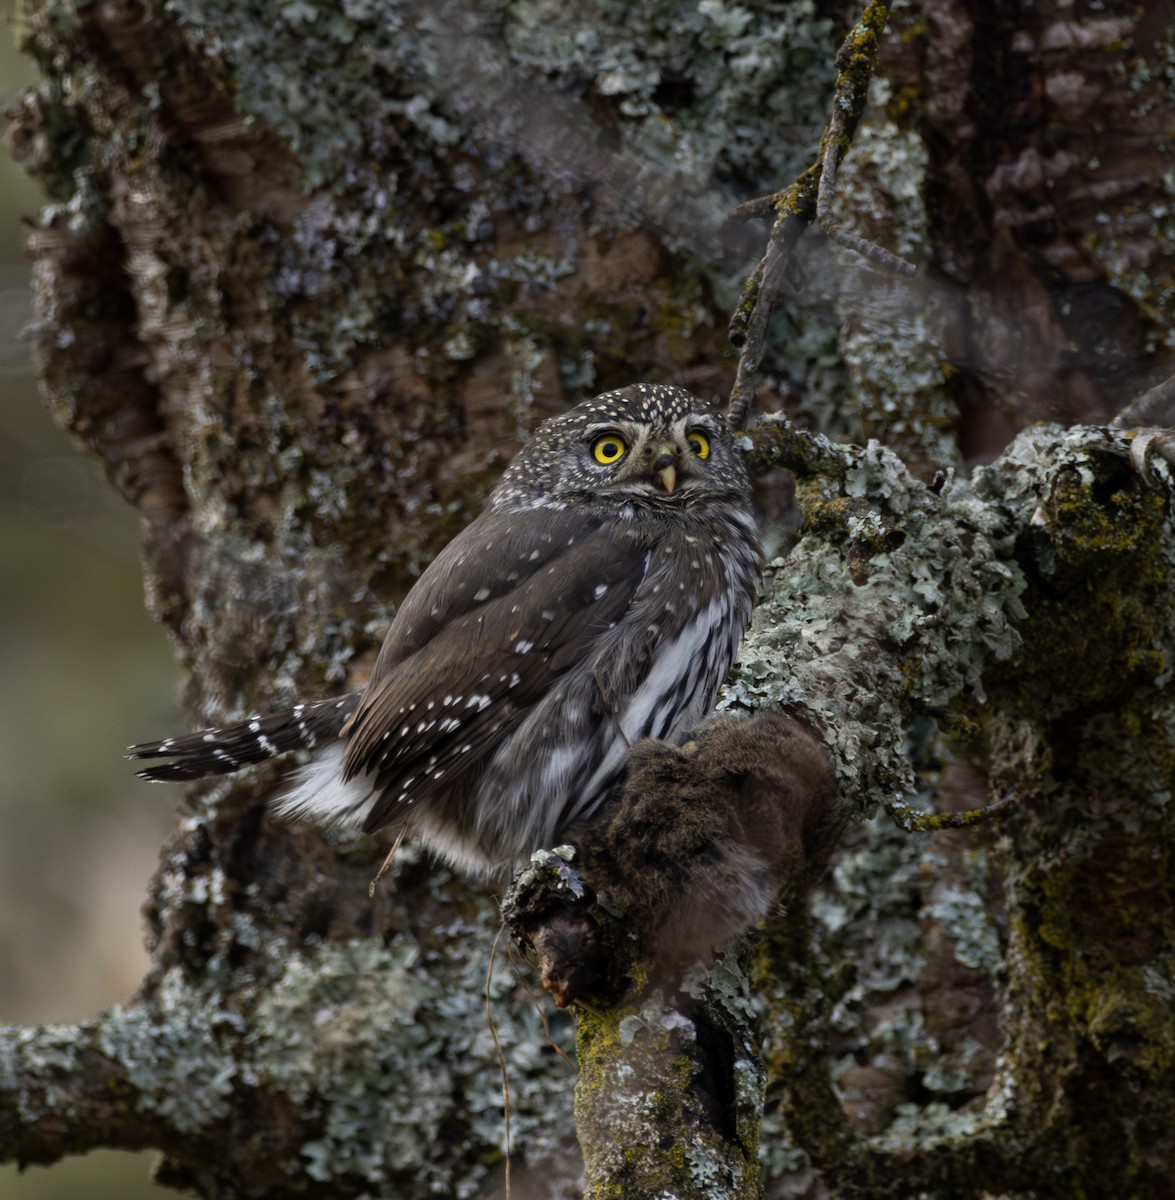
(592, 604)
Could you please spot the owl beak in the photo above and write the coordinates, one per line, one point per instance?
(665, 468)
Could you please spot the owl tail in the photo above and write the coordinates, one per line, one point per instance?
(253, 740)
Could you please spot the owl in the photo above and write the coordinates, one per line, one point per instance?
(599, 598)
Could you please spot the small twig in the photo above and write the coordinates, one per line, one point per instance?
(758, 209)
(387, 862)
(754, 315)
(776, 442)
(498, 1047)
(808, 199)
(830, 164)
(909, 820)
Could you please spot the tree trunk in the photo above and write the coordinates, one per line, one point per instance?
(309, 275)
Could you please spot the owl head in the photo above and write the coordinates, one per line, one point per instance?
(650, 444)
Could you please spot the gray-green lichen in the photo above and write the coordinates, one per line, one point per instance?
(903, 601)
(651, 1109)
(374, 1053)
(892, 334)
(677, 74)
(378, 1051)
(418, 207)
(891, 991)
(370, 99)
(182, 1035)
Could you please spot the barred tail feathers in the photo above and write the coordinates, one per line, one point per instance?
(228, 748)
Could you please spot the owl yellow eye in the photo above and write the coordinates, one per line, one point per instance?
(699, 443)
(608, 449)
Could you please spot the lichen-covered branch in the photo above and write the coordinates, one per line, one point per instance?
(62, 1091)
(856, 63)
(293, 1033)
(1030, 612)
(897, 601)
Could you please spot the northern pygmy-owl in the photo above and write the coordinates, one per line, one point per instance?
(599, 599)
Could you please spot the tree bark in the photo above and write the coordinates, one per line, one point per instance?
(308, 276)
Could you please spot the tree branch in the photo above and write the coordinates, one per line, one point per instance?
(63, 1091)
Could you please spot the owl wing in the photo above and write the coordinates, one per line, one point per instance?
(506, 609)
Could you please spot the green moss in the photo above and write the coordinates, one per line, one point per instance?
(1091, 881)
(644, 1101)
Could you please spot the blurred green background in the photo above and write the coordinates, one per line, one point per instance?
(83, 673)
